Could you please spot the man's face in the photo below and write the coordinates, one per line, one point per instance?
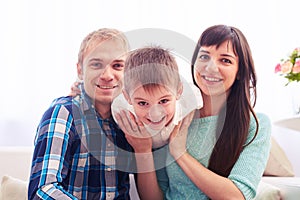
(102, 71)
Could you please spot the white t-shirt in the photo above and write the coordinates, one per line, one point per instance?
(189, 100)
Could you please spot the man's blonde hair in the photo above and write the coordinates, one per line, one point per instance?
(150, 66)
(92, 39)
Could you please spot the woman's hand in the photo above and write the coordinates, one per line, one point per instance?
(135, 132)
(177, 141)
(75, 89)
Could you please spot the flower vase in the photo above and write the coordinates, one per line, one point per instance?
(295, 97)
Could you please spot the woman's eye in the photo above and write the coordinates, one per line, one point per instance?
(226, 60)
(204, 57)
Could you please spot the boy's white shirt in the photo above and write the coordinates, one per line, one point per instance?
(189, 100)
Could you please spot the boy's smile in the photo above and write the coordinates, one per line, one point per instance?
(154, 105)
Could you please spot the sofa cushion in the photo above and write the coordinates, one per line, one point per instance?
(278, 163)
(289, 186)
(13, 189)
(267, 191)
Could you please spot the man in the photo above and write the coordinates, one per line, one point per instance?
(80, 153)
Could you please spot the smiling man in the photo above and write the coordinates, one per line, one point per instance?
(80, 153)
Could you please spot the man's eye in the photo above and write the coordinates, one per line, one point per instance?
(118, 65)
(97, 65)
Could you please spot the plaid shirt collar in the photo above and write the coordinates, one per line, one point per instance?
(86, 103)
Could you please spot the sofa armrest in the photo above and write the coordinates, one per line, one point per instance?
(289, 186)
(289, 140)
(16, 161)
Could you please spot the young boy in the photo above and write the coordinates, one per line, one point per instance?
(155, 94)
(80, 153)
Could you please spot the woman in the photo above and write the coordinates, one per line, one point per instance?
(225, 152)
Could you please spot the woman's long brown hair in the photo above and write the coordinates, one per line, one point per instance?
(234, 118)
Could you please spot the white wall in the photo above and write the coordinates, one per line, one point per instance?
(40, 40)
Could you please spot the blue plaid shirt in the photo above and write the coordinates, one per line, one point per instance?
(78, 155)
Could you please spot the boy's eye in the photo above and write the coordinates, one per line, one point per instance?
(142, 103)
(163, 101)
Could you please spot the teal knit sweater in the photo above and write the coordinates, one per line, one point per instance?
(246, 172)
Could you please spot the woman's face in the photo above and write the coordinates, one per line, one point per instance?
(215, 69)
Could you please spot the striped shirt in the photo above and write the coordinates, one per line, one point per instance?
(78, 155)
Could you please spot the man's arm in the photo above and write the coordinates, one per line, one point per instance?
(49, 162)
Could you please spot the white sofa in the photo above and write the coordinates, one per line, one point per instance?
(286, 133)
(14, 172)
(15, 162)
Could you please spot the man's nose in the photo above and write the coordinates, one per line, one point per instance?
(106, 73)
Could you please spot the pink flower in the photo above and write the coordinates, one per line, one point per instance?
(296, 68)
(298, 51)
(286, 67)
(278, 68)
(290, 67)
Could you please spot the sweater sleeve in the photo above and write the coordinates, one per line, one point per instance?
(249, 168)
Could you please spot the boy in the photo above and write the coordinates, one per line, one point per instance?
(155, 94)
(80, 153)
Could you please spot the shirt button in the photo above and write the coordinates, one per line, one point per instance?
(108, 196)
(108, 144)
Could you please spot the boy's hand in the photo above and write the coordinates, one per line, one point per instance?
(135, 132)
(177, 141)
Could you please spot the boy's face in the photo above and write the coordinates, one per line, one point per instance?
(102, 71)
(154, 106)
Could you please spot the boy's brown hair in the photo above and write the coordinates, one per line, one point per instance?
(151, 66)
